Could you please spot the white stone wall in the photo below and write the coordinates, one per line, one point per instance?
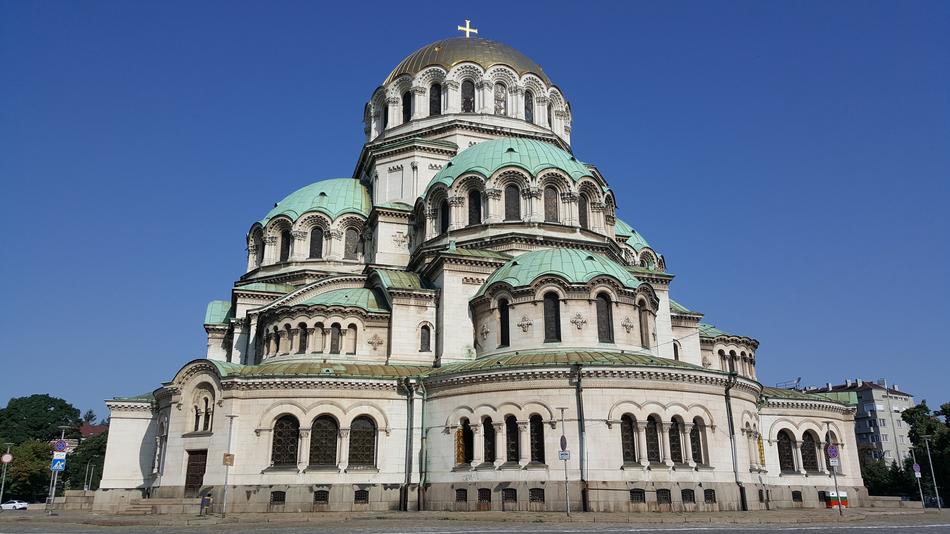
(131, 445)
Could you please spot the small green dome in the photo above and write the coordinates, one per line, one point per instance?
(355, 297)
(634, 239)
(487, 157)
(331, 197)
(575, 266)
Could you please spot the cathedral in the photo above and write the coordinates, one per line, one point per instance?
(465, 324)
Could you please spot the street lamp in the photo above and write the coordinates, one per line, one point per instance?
(926, 439)
(3, 481)
(227, 466)
(87, 479)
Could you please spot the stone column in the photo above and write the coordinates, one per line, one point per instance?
(251, 256)
(797, 453)
(642, 443)
(478, 445)
(534, 211)
(524, 443)
(312, 334)
(822, 463)
(484, 93)
(394, 110)
(687, 428)
(283, 342)
(517, 100)
(453, 99)
(665, 441)
(458, 218)
(569, 201)
(750, 444)
(298, 248)
(420, 109)
(303, 454)
(270, 249)
(343, 451)
(501, 444)
(496, 208)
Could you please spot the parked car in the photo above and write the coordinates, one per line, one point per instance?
(14, 505)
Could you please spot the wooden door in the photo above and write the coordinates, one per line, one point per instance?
(195, 473)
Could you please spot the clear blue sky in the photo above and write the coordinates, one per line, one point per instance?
(790, 159)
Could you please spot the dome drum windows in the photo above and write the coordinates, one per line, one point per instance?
(468, 96)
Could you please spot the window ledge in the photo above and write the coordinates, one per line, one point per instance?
(462, 467)
(323, 468)
(486, 466)
(631, 465)
(510, 465)
(198, 434)
(536, 465)
(281, 469)
(361, 469)
(704, 467)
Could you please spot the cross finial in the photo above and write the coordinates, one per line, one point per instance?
(468, 29)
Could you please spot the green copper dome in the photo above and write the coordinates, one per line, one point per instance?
(357, 297)
(575, 266)
(487, 157)
(331, 197)
(634, 239)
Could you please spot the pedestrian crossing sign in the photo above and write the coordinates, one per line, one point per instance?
(58, 465)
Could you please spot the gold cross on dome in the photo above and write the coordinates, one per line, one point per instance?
(468, 29)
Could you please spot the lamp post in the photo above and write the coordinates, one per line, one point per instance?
(926, 439)
(227, 467)
(567, 489)
(87, 478)
(3, 481)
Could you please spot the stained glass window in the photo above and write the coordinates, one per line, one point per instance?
(285, 238)
(695, 442)
(207, 416)
(443, 217)
(323, 439)
(582, 212)
(468, 442)
(512, 442)
(351, 244)
(435, 99)
(628, 439)
(302, 338)
(286, 438)
(644, 326)
(605, 321)
(536, 427)
(488, 433)
(468, 96)
(552, 317)
(425, 339)
(501, 99)
(362, 442)
(503, 324)
(406, 107)
(316, 243)
(529, 106)
(653, 440)
(474, 208)
(786, 460)
(676, 444)
(335, 338)
(512, 203)
(809, 452)
(550, 204)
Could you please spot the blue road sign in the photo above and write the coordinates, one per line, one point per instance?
(60, 445)
(58, 465)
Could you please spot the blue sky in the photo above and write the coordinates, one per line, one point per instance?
(790, 159)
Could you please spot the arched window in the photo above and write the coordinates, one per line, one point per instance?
(664, 496)
(488, 434)
(503, 323)
(197, 418)
(809, 452)
(464, 443)
(285, 238)
(319, 338)
(362, 442)
(351, 339)
(732, 361)
(351, 244)
(653, 439)
(709, 496)
(695, 440)
(474, 208)
(302, 338)
(443, 216)
(435, 99)
(676, 351)
(501, 99)
(644, 325)
(406, 107)
(688, 496)
(385, 116)
(676, 443)
(258, 240)
(512, 441)
(552, 317)
(323, 439)
(512, 203)
(529, 106)
(425, 339)
(461, 495)
(786, 460)
(550, 115)
(335, 338)
(582, 212)
(316, 243)
(550, 204)
(468, 96)
(536, 427)
(286, 437)
(628, 438)
(605, 320)
(638, 496)
(206, 426)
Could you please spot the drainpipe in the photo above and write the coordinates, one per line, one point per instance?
(581, 428)
(730, 383)
(424, 462)
(404, 494)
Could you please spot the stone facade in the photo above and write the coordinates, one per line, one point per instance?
(425, 334)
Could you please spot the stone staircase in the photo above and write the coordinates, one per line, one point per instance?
(162, 506)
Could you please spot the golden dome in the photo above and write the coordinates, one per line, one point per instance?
(449, 52)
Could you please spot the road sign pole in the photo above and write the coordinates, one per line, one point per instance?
(3, 482)
(917, 476)
(227, 468)
(567, 487)
(932, 477)
(834, 469)
(54, 477)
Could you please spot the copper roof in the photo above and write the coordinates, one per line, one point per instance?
(449, 52)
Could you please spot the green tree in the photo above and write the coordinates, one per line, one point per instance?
(92, 453)
(89, 417)
(892, 480)
(37, 417)
(28, 474)
(924, 422)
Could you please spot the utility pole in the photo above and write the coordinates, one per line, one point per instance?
(890, 411)
(932, 476)
(567, 488)
(55, 477)
(227, 467)
(920, 488)
(3, 483)
(87, 478)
